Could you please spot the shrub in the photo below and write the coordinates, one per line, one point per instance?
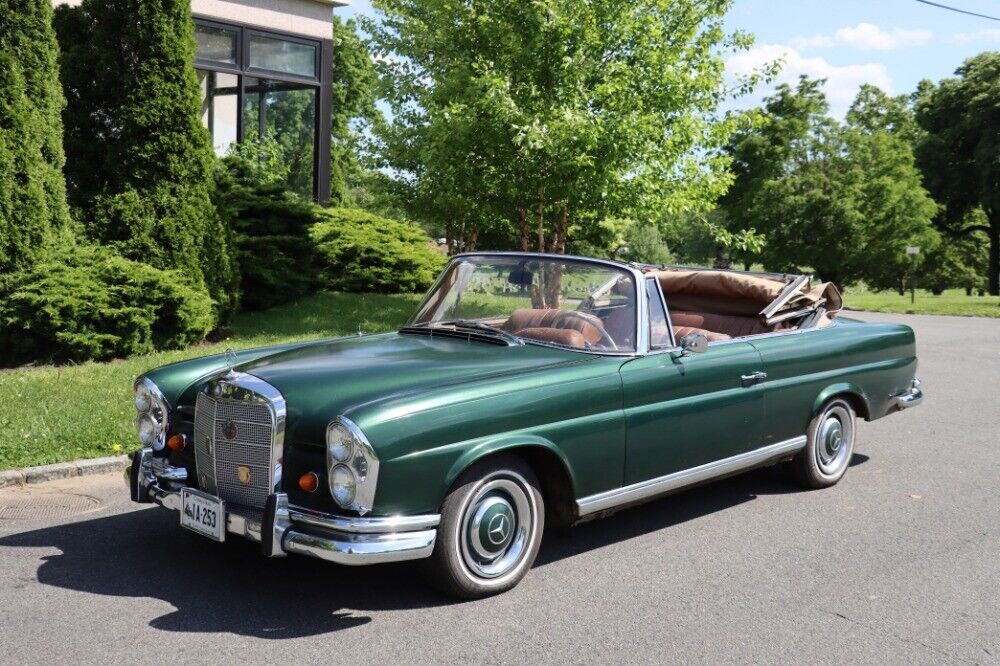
(270, 228)
(32, 188)
(140, 161)
(86, 303)
(361, 252)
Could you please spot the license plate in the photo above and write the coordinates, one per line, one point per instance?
(203, 513)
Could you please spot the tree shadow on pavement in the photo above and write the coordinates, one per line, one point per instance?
(231, 588)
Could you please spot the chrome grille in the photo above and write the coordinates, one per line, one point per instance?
(230, 408)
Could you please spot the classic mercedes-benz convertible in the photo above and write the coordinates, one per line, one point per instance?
(527, 390)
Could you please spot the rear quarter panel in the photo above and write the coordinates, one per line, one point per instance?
(870, 361)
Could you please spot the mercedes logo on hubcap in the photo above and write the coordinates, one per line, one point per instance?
(498, 528)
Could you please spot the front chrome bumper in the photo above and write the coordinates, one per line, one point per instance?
(283, 529)
(910, 398)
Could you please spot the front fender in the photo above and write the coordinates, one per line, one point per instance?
(507, 442)
(840, 388)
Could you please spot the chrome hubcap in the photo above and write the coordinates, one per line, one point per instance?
(496, 528)
(835, 439)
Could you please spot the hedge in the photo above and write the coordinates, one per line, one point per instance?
(86, 303)
(361, 252)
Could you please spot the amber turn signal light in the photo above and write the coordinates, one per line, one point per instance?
(309, 482)
(177, 443)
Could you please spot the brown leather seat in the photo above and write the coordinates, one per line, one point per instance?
(681, 331)
(732, 326)
(565, 337)
(587, 325)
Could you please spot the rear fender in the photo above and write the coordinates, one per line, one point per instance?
(859, 400)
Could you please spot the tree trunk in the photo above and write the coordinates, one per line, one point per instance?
(541, 219)
(449, 235)
(561, 230)
(721, 262)
(470, 242)
(994, 267)
(524, 225)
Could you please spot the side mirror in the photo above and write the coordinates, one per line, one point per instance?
(694, 343)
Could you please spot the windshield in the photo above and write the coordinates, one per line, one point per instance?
(567, 302)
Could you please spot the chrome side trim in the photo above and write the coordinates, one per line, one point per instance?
(643, 490)
(911, 398)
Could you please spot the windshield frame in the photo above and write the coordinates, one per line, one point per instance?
(641, 306)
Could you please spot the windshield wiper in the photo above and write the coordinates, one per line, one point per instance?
(478, 326)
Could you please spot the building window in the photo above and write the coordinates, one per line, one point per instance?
(216, 44)
(285, 112)
(282, 55)
(257, 85)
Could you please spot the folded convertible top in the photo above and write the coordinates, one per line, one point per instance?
(771, 297)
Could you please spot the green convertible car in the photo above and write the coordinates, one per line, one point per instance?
(527, 389)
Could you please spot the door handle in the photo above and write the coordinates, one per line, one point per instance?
(753, 377)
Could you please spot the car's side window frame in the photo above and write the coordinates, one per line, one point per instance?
(649, 319)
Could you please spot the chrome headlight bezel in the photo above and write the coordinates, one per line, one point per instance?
(148, 394)
(357, 458)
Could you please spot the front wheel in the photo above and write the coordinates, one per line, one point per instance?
(830, 446)
(491, 529)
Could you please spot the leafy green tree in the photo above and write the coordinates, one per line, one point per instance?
(957, 263)
(960, 154)
(843, 200)
(354, 84)
(32, 189)
(546, 117)
(140, 161)
(645, 245)
(875, 111)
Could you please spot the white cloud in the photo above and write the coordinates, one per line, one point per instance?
(989, 34)
(866, 37)
(842, 81)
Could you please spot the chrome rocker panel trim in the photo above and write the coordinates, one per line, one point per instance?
(911, 398)
(644, 490)
(283, 529)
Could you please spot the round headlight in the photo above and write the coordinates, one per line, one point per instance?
(149, 432)
(143, 399)
(343, 485)
(340, 443)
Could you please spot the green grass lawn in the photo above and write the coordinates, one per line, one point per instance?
(54, 414)
(951, 302)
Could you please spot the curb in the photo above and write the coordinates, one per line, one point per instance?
(42, 473)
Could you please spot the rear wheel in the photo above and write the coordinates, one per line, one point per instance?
(830, 446)
(491, 529)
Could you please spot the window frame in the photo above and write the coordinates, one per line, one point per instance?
(322, 84)
(649, 319)
(264, 73)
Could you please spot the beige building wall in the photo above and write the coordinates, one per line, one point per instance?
(308, 18)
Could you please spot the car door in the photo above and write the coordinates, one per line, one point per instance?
(686, 411)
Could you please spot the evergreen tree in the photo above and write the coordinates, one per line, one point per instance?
(141, 160)
(354, 83)
(32, 189)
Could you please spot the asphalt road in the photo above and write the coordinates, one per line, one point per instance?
(899, 563)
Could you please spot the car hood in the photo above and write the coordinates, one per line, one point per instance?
(330, 378)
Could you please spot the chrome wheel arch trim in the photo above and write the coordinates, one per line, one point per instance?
(643, 490)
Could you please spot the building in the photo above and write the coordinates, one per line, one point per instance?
(266, 68)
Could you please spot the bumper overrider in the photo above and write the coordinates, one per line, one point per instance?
(911, 397)
(281, 529)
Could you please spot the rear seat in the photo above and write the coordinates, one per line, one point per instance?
(730, 326)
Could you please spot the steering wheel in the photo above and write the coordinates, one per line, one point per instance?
(606, 340)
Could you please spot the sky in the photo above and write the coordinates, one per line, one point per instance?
(890, 43)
